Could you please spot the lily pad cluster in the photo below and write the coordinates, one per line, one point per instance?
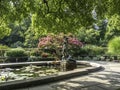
(27, 72)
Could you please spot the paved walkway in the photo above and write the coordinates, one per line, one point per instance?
(108, 79)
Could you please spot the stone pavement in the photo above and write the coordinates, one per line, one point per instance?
(107, 79)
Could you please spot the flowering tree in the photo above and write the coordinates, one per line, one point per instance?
(45, 41)
(56, 42)
(75, 42)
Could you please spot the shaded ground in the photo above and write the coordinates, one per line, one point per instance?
(108, 79)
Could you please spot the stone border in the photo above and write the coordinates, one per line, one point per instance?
(12, 65)
(48, 79)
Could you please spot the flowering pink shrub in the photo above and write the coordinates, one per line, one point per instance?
(74, 41)
(45, 41)
(56, 41)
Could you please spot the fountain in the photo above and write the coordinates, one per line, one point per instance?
(67, 63)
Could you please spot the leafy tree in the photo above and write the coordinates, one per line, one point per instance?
(17, 33)
(64, 16)
(56, 16)
(4, 30)
(88, 36)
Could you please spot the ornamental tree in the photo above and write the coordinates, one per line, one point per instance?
(56, 42)
(59, 15)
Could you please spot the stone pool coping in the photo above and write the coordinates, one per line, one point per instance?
(49, 79)
(5, 65)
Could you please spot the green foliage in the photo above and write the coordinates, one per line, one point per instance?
(17, 52)
(46, 16)
(88, 36)
(36, 52)
(92, 50)
(17, 44)
(30, 38)
(114, 46)
(17, 36)
(4, 47)
(57, 16)
(16, 55)
(4, 31)
(113, 28)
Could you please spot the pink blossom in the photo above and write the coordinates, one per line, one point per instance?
(56, 41)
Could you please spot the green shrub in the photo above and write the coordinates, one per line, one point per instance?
(18, 54)
(92, 50)
(3, 48)
(35, 53)
(84, 50)
(98, 50)
(75, 51)
(114, 46)
(17, 44)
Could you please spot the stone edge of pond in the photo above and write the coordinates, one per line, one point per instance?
(45, 80)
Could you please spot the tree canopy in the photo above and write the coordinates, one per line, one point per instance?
(58, 15)
(62, 15)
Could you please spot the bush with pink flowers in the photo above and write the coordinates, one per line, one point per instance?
(55, 42)
(45, 42)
